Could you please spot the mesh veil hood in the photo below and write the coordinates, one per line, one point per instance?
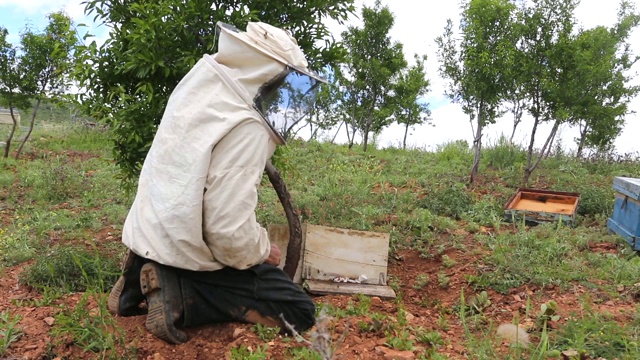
(258, 56)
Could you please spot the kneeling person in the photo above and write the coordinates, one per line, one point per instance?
(196, 252)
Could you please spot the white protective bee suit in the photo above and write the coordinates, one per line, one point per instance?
(198, 188)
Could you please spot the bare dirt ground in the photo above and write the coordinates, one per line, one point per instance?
(424, 308)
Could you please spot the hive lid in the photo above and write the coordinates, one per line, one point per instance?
(627, 186)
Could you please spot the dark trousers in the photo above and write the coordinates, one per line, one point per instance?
(229, 294)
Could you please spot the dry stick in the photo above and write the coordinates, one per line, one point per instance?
(294, 247)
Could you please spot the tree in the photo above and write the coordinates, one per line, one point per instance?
(412, 86)
(41, 70)
(545, 45)
(10, 95)
(127, 81)
(476, 66)
(370, 72)
(599, 95)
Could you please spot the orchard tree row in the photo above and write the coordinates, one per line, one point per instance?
(533, 58)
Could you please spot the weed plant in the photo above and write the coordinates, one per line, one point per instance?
(92, 328)
(503, 155)
(9, 331)
(597, 336)
(550, 255)
(265, 333)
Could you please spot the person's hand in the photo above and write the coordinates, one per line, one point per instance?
(274, 256)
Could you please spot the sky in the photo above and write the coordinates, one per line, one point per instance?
(417, 24)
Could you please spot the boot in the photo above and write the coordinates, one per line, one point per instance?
(125, 297)
(161, 286)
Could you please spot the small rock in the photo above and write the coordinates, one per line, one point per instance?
(513, 334)
(19, 297)
(381, 341)
(376, 301)
(570, 355)
(49, 320)
(409, 316)
(237, 332)
(391, 354)
(158, 356)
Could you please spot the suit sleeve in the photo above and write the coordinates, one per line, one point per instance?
(230, 227)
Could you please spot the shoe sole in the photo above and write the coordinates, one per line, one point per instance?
(157, 322)
(113, 302)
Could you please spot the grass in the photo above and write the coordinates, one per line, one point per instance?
(71, 269)
(92, 328)
(62, 211)
(9, 330)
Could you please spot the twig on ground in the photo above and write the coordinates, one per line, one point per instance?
(320, 337)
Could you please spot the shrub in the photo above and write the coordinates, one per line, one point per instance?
(72, 269)
(595, 200)
(452, 201)
(454, 151)
(504, 155)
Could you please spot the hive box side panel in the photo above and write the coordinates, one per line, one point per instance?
(333, 252)
(627, 186)
(325, 287)
(625, 220)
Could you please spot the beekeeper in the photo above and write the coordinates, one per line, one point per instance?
(197, 253)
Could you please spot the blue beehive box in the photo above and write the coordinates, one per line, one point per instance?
(625, 220)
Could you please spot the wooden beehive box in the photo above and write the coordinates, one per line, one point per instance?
(539, 206)
(339, 261)
(625, 220)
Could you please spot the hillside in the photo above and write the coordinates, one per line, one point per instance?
(459, 270)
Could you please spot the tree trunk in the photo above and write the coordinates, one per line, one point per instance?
(314, 133)
(350, 137)
(337, 131)
(528, 170)
(583, 137)
(7, 146)
(531, 168)
(477, 145)
(294, 246)
(477, 148)
(547, 152)
(517, 117)
(33, 120)
(365, 137)
(404, 140)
